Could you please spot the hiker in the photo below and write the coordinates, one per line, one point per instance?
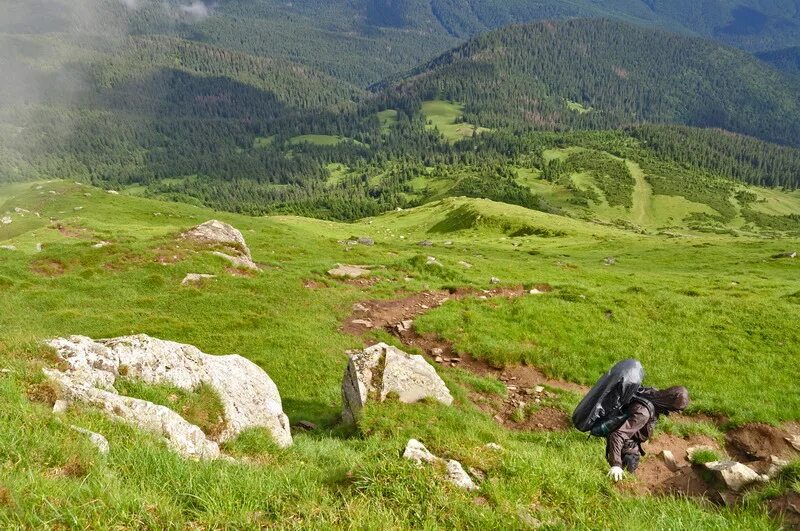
(621, 410)
(624, 445)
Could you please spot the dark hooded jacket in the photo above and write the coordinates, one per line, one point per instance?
(645, 408)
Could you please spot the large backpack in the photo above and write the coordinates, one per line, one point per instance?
(603, 409)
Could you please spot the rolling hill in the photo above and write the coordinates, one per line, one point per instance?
(601, 74)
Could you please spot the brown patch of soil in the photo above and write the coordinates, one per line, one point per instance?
(44, 393)
(546, 419)
(70, 231)
(396, 316)
(236, 272)
(654, 476)
(786, 508)
(312, 284)
(5, 498)
(757, 442)
(47, 267)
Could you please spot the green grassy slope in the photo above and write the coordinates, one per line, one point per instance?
(739, 348)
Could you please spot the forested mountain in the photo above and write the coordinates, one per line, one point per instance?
(591, 73)
(786, 59)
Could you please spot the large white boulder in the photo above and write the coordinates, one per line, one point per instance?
(249, 397)
(374, 373)
(226, 239)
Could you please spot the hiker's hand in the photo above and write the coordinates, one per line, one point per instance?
(615, 473)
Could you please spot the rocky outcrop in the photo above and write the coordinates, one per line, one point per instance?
(381, 369)
(735, 476)
(226, 240)
(248, 396)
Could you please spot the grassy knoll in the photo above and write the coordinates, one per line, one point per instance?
(444, 116)
(672, 303)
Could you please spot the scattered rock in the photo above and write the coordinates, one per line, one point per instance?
(77, 208)
(535, 291)
(448, 243)
(6, 220)
(609, 261)
(113, 192)
(433, 261)
(425, 243)
(794, 441)
(437, 351)
(306, 425)
(465, 265)
(362, 322)
(733, 474)
(776, 464)
(248, 396)
(348, 271)
(19, 210)
(239, 262)
(669, 460)
(538, 389)
(458, 476)
(700, 448)
(195, 278)
(382, 369)
(98, 440)
(416, 451)
(61, 406)
(8, 247)
(494, 280)
(405, 325)
(790, 254)
(363, 240)
(39, 247)
(493, 446)
(477, 473)
(100, 245)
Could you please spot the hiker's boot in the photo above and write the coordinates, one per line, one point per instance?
(630, 462)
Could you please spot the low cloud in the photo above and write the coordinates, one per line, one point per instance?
(196, 9)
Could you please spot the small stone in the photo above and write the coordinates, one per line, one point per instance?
(425, 243)
(306, 425)
(39, 247)
(538, 389)
(438, 359)
(416, 451)
(437, 351)
(113, 192)
(363, 240)
(794, 441)
(348, 271)
(477, 473)
(448, 243)
(100, 245)
(362, 322)
(433, 261)
(669, 460)
(195, 278)
(694, 449)
(458, 477)
(61, 406)
(609, 260)
(8, 247)
(19, 210)
(494, 280)
(535, 291)
(98, 440)
(512, 387)
(789, 254)
(6, 220)
(465, 265)
(493, 446)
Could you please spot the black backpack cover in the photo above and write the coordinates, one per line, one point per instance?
(608, 398)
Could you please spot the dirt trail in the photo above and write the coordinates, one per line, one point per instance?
(642, 195)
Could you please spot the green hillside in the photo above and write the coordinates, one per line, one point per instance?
(785, 59)
(533, 75)
(713, 312)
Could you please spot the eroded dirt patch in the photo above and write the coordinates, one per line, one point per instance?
(48, 267)
(757, 442)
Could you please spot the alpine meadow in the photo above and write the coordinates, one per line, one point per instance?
(399, 264)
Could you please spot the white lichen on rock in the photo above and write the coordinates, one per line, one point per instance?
(248, 396)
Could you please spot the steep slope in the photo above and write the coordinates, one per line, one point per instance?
(602, 73)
